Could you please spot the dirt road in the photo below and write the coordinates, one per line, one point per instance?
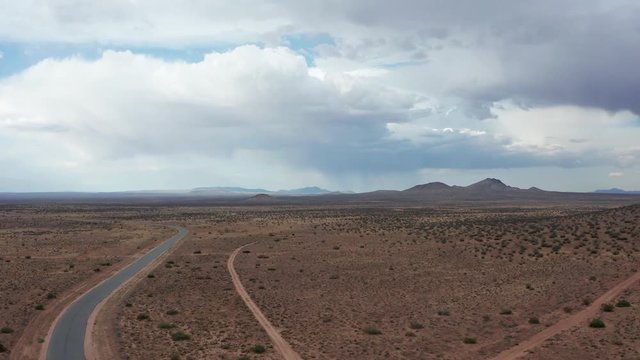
(280, 344)
(581, 318)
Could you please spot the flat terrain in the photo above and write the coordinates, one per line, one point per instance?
(360, 282)
(436, 284)
(45, 252)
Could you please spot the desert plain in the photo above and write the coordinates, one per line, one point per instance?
(346, 281)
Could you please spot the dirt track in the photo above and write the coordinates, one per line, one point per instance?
(280, 344)
(579, 319)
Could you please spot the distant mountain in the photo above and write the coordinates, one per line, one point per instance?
(490, 185)
(238, 191)
(228, 189)
(311, 190)
(487, 190)
(432, 186)
(260, 198)
(616, 191)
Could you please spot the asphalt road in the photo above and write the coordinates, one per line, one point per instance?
(67, 339)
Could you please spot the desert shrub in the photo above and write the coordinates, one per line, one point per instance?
(596, 323)
(6, 330)
(568, 309)
(534, 320)
(244, 357)
(142, 317)
(506, 312)
(151, 276)
(172, 312)
(51, 296)
(606, 307)
(586, 301)
(370, 330)
(444, 312)
(39, 307)
(180, 336)
(258, 349)
(3, 349)
(623, 303)
(416, 325)
(469, 340)
(40, 340)
(164, 325)
(174, 356)
(410, 334)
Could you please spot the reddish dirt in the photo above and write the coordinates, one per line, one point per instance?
(579, 319)
(280, 344)
(49, 256)
(97, 344)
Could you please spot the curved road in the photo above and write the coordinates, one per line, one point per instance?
(67, 338)
(279, 343)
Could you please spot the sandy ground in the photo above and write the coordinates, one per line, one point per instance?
(435, 285)
(48, 256)
(620, 339)
(281, 346)
(378, 283)
(194, 283)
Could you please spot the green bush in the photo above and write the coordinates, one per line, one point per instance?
(258, 349)
(370, 330)
(6, 330)
(607, 307)
(416, 325)
(469, 340)
(180, 336)
(596, 323)
(623, 303)
(164, 325)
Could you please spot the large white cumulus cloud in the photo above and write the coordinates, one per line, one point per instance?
(253, 103)
(386, 89)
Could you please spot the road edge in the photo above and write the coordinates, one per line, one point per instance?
(89, 344)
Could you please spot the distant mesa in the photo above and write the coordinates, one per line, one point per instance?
(310, 190)
(261, 197)
(616, 191)
(239, 191)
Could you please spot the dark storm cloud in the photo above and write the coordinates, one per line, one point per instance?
(551, 52)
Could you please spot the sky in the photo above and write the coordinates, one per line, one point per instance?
(347, 95)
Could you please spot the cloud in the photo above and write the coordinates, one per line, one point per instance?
(332, 89)
(616, 174)
(124, 109)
